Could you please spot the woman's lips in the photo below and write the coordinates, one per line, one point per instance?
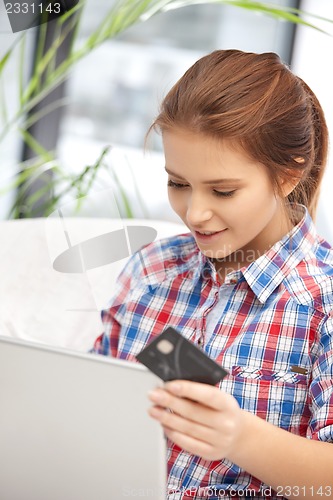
(208, 238)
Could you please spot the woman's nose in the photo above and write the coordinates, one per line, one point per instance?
(198, 211)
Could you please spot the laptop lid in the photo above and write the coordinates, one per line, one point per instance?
(75, 426)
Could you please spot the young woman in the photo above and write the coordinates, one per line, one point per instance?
(245, 144)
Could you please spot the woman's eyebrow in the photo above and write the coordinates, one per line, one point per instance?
(227, 180)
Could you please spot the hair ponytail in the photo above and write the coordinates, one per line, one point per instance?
(308, 190)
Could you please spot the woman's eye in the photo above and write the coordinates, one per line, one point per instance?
(224, 194)
(176, 185)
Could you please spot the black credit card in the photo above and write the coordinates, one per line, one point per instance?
(171, 356)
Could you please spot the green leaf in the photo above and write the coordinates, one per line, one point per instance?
(4, 60)
(286, 13)
(74, 11)
(35, 117)
(35, 146)
(3, 102)
(128, 211)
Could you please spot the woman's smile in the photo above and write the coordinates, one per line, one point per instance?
(203, 237)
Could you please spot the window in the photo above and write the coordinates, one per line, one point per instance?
(114, 93)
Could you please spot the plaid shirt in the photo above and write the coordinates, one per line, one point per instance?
(274, 336)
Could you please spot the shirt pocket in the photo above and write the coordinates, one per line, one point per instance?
(278, 396)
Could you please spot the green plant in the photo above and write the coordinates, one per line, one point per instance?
(47, 75)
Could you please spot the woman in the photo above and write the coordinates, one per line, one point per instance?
(245, 144)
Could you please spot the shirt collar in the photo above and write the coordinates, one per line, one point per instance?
(267, 272)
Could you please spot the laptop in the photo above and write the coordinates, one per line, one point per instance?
(75, 426)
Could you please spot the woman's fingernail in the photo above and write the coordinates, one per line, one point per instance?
(155, 412)
(156, 396)
(173, 387)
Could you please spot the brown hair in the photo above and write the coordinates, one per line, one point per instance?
(257, 102)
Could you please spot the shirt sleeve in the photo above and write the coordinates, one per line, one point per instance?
(321, 388)
(107, 343)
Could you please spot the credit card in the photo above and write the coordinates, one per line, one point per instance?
(171, 356)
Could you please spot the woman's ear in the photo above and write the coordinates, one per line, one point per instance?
(289, 183)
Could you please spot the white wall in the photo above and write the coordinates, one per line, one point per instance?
(312, 61)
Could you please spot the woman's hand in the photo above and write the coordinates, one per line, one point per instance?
(207, 422)
(204, 420)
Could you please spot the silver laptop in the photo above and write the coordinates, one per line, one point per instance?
(75, 427)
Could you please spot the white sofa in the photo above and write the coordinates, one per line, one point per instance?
(38, 303)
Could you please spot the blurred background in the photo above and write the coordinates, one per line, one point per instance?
(111, 95)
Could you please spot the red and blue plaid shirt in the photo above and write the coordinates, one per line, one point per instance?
(274, 334)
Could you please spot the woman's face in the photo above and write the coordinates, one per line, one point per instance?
(215, 188)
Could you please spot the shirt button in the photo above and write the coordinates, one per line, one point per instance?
(200, 341)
